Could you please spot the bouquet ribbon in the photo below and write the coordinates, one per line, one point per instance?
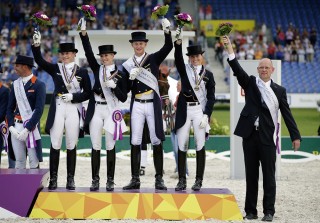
(31, 140)
(4, 135)
(117, 118)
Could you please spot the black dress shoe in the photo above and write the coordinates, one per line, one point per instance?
(182, 184)
(250, 216)
(110, 185)
(53, 184)
(267, 217)
(159, 183)
(134, 184)
(95, 185)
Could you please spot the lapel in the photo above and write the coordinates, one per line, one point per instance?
(275, 89)
(30, 83)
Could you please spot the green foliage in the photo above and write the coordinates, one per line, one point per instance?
(159, 11)
(218, 129)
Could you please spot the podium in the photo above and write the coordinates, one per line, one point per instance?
(18, 190)
(146, 203)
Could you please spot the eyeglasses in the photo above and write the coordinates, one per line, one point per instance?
(264, 68)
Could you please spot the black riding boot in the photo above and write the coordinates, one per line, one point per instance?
(111, 164)
(54, 166)
(71, 167)
(201, 163)
(182, 158)
(135, 166)
(95, 168)
(158, 165)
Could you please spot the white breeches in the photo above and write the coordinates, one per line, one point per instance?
(67, 117)
(101, 113)
(139, 114)
(194, 116)
(20, 151)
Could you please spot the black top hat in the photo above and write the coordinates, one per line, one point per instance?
(138, 36)
(25, 60)
(106, 49)
(194, 50)
(67, 47)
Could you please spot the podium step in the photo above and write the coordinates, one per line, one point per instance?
(18, 189)
(146, 203)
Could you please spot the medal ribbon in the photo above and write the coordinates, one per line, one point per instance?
(69, 80)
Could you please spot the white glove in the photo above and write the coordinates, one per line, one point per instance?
(179, 33)
(204, 121)
(36, 38)
(110, 84)
(165, 25)
(67, 97)
(23, 134)
(82, 24)
(134, 73)
(14, 131)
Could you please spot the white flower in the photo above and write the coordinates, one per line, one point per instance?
(44, 16)
(189, 18)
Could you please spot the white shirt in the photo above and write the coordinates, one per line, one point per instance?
(26, 79)
(139, 58)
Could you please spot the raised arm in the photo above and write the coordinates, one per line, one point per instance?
(161, 55)
(178, 58)
(88, 49)
(45, 65)
(242, 76)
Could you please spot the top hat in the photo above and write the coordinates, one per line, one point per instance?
(25, 60)
(106, 49)
(67, 47)
(194, 50)
(138, 36)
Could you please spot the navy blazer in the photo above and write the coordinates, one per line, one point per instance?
(121, 80)
(254, 108)
(186, 89)
(4, 97)
(59, 86)
(152, 64)
(36, 95)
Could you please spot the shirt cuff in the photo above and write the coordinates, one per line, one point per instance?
(232, 56)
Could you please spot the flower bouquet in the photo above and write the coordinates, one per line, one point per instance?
(183, 19)
(41, 19)
(159, 11)
(89, 12)
(224, 29)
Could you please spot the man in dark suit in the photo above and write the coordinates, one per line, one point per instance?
(4, 97)
(71, 87)
(25, 108)
(145, 106)
(258, 126)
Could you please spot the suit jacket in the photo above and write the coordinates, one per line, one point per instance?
(254, 108)
(152, 64)
(186, 89)
(121, 80)
(59, 86)
(36, 95)
(4, 97)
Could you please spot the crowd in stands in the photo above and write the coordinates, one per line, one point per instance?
(287, 44)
